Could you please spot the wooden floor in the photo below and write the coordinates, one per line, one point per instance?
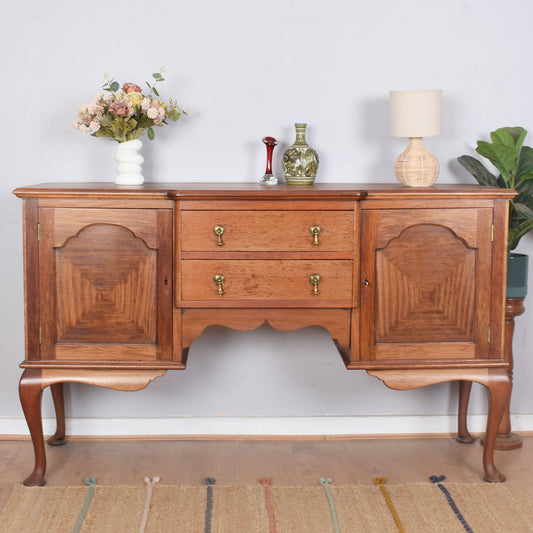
(246, 461)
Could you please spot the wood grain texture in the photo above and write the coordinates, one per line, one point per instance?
(98, 273)
(107, 289)
(287, 461)
(122, 281)
(230, 190)
(31, 277)
(140, 222)
(278, 280)
(416, 307)
(278, 231)
(336, 321)
(499, 278)
(420, 300)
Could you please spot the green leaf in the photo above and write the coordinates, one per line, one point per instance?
(502, 183)
(115, 86)
(155, 91)
(525, 193)
(525, 163)
(511, 137)
(156, 75)
(518, 135)
(145, 122)
(478, 170)
(150, 133)
(523, 210)
(516, 233)
(101, 133)
(502, 156)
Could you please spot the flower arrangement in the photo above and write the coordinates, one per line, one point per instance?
(126, 113)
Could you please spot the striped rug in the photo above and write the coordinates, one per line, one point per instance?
(152, 506)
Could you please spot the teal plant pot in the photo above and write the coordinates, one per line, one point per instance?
(517, 267)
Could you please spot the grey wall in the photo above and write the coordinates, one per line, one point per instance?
(250, 69)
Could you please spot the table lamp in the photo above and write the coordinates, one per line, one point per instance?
(416, 114)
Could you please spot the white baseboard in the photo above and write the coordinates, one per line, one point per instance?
(275, 426)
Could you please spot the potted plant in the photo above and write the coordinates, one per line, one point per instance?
(514, 161)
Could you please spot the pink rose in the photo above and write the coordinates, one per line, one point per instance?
(121, 109)
(131, 88)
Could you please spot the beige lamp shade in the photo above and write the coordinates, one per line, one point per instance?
(416, 113)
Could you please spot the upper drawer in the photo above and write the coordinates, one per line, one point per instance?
(268, 231)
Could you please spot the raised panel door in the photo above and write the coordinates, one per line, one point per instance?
(106, 285)
(426, 284)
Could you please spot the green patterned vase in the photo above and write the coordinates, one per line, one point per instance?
(300, 161)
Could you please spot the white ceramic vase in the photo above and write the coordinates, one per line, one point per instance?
(129, 163)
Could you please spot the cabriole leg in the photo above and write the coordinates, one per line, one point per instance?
(463, 435)
(58, 438)
(32, 383)
(505, 440)
(499, 386)
(30, 390)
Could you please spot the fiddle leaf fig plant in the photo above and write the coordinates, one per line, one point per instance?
(514, 161)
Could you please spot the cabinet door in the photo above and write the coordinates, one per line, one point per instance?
(105, 287)
(426, 284)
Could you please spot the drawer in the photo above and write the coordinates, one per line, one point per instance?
(267, 231)
(267, 281)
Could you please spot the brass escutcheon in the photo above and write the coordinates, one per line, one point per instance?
(219, 279)
(218, 230)
(315, 279)
(315, 231)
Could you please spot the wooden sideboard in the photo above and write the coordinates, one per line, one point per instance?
(120, 281)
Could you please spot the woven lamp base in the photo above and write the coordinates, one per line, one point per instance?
(416, 167)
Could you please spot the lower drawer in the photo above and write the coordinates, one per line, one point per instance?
(301, 282)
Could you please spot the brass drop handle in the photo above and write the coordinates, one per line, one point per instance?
(219, 279)
(315, 231)
(218, 230)
(315, 279)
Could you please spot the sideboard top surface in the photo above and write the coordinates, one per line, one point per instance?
(236, 190)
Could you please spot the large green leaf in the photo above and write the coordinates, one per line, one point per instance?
(523, 210)
(516, 233)
(525, 163)
(525, 192)
(503, 157)
(512, 137)
(504, 151)
(478, 170)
